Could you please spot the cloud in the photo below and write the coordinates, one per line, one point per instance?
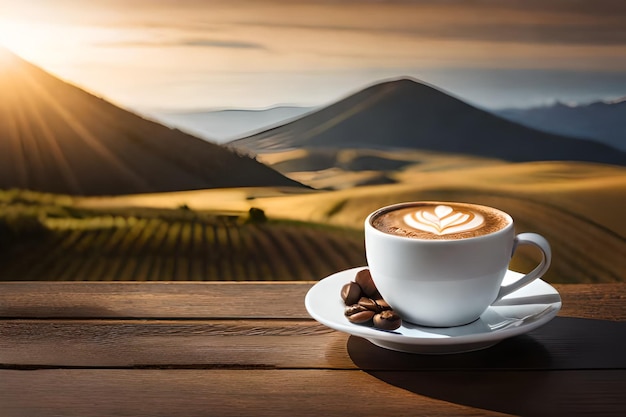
(566, 22)
(211, 43)
(548, 30)
(192, 42)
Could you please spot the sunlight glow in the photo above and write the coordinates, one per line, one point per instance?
(39, 42)
(6, 58)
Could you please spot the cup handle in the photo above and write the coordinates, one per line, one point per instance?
(535, 240)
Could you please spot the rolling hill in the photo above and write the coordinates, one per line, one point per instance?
(57, 138)
(406, 114)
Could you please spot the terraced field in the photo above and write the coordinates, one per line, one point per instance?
(202, 248)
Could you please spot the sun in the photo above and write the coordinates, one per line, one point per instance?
(26, 39)
(18, 37)
(7, 57)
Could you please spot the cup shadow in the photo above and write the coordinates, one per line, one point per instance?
(569, 366)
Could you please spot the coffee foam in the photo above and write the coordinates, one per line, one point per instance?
(440, 221)
(443, 219)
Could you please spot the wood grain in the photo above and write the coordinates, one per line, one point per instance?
(308, 393)
(186, 300)
(316, 393)
(594, 301)
(222, 300)
(564, 343)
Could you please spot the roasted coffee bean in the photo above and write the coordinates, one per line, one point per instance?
(350, 293)
(361, 317)
(358, 314)
(369, 304)
(353, 309)
(382, 304)
(364, 303)
(387, 320)
(365, 281)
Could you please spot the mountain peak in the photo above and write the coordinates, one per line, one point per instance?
(401, 85)
(400, 82)
(408, 114)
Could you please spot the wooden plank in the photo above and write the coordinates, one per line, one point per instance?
(526, 393)
(309, 393)
(564, 343)
(215, 392)
(195, 300)
(594, 301)
(274, 344)
(198, 300)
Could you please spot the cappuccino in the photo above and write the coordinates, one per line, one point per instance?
(440, 221)
(442, 264)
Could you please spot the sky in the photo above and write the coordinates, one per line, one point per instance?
(208, 54)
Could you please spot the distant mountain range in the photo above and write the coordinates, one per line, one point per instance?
(225, 125)
(55, 137)
(601, 121)
(406, 114)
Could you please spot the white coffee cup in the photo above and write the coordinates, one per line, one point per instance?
(443, 281)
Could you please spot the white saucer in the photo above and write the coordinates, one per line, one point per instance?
(519, 312)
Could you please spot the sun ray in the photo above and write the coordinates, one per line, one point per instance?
(85, 135)
(12, 144)
(51, 143)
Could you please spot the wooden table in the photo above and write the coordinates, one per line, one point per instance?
(219, 349)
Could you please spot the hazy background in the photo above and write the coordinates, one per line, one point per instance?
(156, 55)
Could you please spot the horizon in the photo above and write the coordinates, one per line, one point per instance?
(169, 55)
(202, 110)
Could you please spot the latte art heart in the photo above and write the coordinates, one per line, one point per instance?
(443, 220)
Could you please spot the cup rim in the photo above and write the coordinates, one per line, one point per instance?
(395, 206)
